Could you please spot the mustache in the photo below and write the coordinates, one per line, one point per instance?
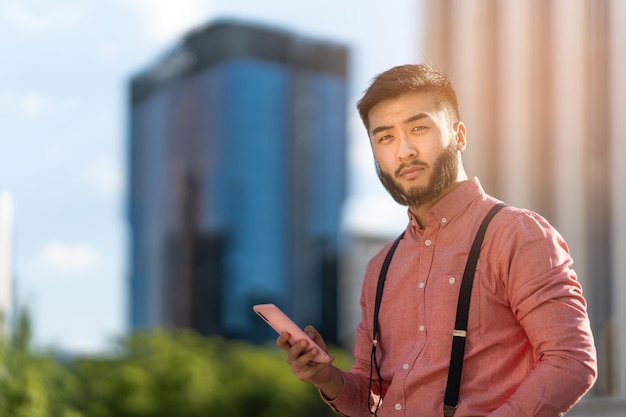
(415, 162)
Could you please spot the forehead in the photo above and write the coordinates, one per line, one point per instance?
(421, 101)
(402, 107)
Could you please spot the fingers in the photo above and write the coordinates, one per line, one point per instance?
(316, 337)
(301, 354)
(296, 351)
(283, 341)
(300, 359)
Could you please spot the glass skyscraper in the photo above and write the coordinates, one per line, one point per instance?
(237, 167)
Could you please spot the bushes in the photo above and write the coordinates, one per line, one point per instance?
(157, 374)
(32, 385)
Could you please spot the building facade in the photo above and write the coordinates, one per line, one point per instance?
(237, 177)
(542, 89)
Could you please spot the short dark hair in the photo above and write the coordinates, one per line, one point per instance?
(405, 79)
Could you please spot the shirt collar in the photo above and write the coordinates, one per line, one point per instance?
(451, 204)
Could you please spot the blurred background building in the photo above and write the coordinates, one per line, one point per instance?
(542, 89)
(237, 177)
(6, 257)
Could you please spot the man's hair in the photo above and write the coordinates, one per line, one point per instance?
(404, 79)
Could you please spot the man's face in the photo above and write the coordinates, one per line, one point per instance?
(416, 148)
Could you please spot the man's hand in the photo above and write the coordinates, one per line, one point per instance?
(324, 376)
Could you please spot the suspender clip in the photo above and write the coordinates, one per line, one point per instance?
(448, 410)
(459, 333)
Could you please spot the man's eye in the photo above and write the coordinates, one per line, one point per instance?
(418, 128)
(384, 138)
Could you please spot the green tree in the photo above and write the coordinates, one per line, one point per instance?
(181, 374)
(32, 385)
(160, 373)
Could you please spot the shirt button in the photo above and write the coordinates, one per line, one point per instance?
(452, 280)
(405, 366)
(421, 327)
(428, 242)
(444, 220)
(421, 285)
(398, 406)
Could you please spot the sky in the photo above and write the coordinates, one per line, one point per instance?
(64, 74)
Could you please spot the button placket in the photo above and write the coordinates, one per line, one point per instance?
(428, 253)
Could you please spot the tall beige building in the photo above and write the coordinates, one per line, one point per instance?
(542, 90)
(6, 241)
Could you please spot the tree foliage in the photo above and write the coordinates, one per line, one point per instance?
(157, 374)
(32, 385)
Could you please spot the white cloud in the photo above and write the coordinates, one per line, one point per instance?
(107, 176)
(68, 257)
(166, 19)
(33, 104)
(28, 19)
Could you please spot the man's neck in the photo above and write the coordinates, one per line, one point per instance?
(421, 212)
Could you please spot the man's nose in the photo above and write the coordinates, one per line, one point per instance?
(406, 148)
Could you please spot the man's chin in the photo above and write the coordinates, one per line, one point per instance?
(416, 186)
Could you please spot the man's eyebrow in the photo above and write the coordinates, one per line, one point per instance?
(413, 118)
(417, 116)
(379, 129)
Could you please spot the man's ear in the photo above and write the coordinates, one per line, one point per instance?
(460, 136)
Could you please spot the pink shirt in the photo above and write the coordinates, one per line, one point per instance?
(529, 348)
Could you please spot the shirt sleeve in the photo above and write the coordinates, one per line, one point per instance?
(352, 401)
(546, 297)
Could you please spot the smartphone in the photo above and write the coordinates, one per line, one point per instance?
(279, 321)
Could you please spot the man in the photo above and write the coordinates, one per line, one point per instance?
(529, 350)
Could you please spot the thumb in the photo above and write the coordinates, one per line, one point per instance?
(316, 337)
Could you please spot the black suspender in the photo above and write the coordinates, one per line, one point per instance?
(460, 327)
(379, 295)
(462, 311)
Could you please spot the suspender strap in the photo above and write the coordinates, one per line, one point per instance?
(460, 326)
(381, 283)
(379, 295)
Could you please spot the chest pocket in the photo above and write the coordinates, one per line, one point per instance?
(442, 296)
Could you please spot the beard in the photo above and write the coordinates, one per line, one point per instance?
(444, 173)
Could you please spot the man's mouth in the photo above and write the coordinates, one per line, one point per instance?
(411, 171)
